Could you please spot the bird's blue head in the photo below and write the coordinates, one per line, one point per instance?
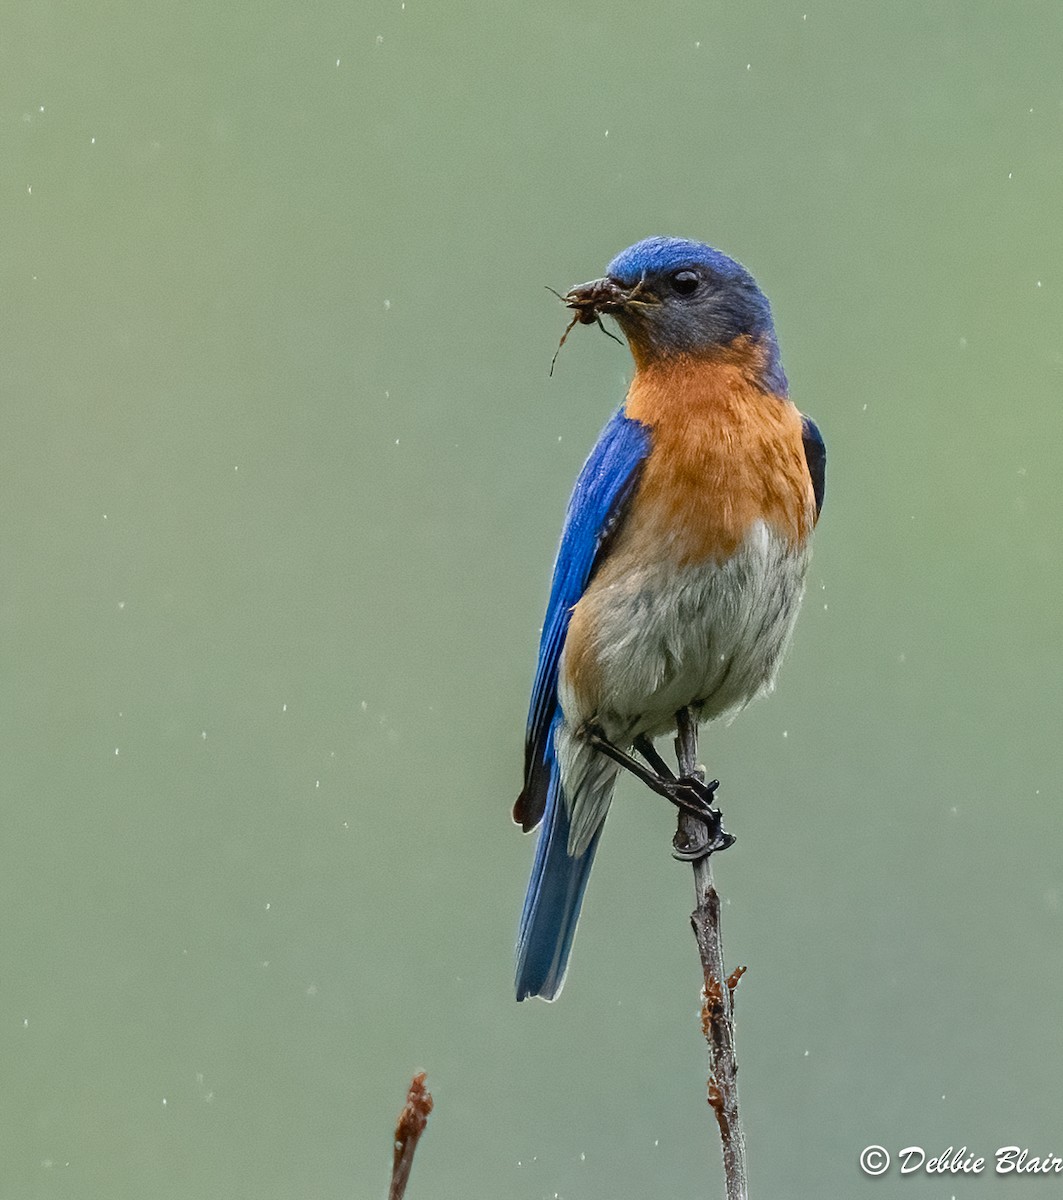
(674, 298)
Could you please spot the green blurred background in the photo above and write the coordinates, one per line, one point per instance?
(283, 474)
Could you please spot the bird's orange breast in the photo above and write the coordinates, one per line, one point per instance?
(725, 455)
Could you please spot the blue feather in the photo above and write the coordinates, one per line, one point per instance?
(558, 880)
(815, 457)
(597, 505)
(552, 905)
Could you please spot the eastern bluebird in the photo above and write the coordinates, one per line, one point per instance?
(681, 566)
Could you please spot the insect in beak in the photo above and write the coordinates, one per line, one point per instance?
(589, 300)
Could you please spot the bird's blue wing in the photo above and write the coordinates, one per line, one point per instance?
(594, 513)
(815, 457)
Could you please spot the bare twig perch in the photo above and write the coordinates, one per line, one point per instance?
(717, 1010)
(411, 1124)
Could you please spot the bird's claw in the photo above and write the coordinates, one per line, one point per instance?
(690, 793)
(708, 837)
(693, 796)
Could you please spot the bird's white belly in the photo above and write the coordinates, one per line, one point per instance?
(710, 634)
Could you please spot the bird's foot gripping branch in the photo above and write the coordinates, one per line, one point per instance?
(688, 791)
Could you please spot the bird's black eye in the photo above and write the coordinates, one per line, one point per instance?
(685, 282)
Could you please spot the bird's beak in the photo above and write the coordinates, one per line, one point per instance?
(591, 300)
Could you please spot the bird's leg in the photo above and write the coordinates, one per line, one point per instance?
(689, 844)
(648, 750)
(690, 774)
(690, 795)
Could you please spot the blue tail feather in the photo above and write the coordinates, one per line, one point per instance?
(551, 907)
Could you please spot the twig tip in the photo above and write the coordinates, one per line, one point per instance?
(734, 977)
(411, 1124)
